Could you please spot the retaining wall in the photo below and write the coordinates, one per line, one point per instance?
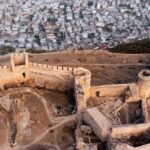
(43, 75)
(126, 130)
(51, 77)
(108, 90)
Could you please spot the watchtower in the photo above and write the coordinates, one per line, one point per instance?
(144, 83)
(19, 61)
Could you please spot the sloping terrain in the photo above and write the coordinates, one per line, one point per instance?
(105, 67)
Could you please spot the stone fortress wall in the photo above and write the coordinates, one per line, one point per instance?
(42, 75)
(133, 92)
(63, 78)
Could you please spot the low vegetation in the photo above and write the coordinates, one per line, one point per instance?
(6, 49)
(140, 46)
(30, 50)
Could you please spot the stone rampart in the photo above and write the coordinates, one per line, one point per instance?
(51, 81)
(82, 83)
(108, 90)
(145, 111)
(127, 130)
(111, 90)
(53, 68)
(51, 77)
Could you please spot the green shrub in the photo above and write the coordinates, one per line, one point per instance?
(31, 50)
(140, 46)
(6, 49)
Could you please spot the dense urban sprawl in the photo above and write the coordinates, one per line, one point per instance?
(73, 24)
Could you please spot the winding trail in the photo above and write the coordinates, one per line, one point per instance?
(44, 103)
(51, 118)
(69, 119)
(60, 121)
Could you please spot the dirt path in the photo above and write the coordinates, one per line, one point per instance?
(44, 103)
(68, 119)
(49, 114)
(60, 121)
(51, 119)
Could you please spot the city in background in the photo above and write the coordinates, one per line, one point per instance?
(73, 24)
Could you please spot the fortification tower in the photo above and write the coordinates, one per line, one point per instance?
(144, 83)
(19, 61)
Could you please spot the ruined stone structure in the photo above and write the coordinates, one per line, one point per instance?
(50, 77)
(21, 71)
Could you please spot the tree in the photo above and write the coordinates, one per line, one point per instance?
(4, 49)
(140, 46)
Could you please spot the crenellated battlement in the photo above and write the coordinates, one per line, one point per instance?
(53, 68)
(43, 75)
(21, 59)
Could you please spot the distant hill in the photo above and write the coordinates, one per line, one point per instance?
(140, 46)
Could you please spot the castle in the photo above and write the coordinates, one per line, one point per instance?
(21, 71)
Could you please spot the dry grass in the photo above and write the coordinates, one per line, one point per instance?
(123, 68)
